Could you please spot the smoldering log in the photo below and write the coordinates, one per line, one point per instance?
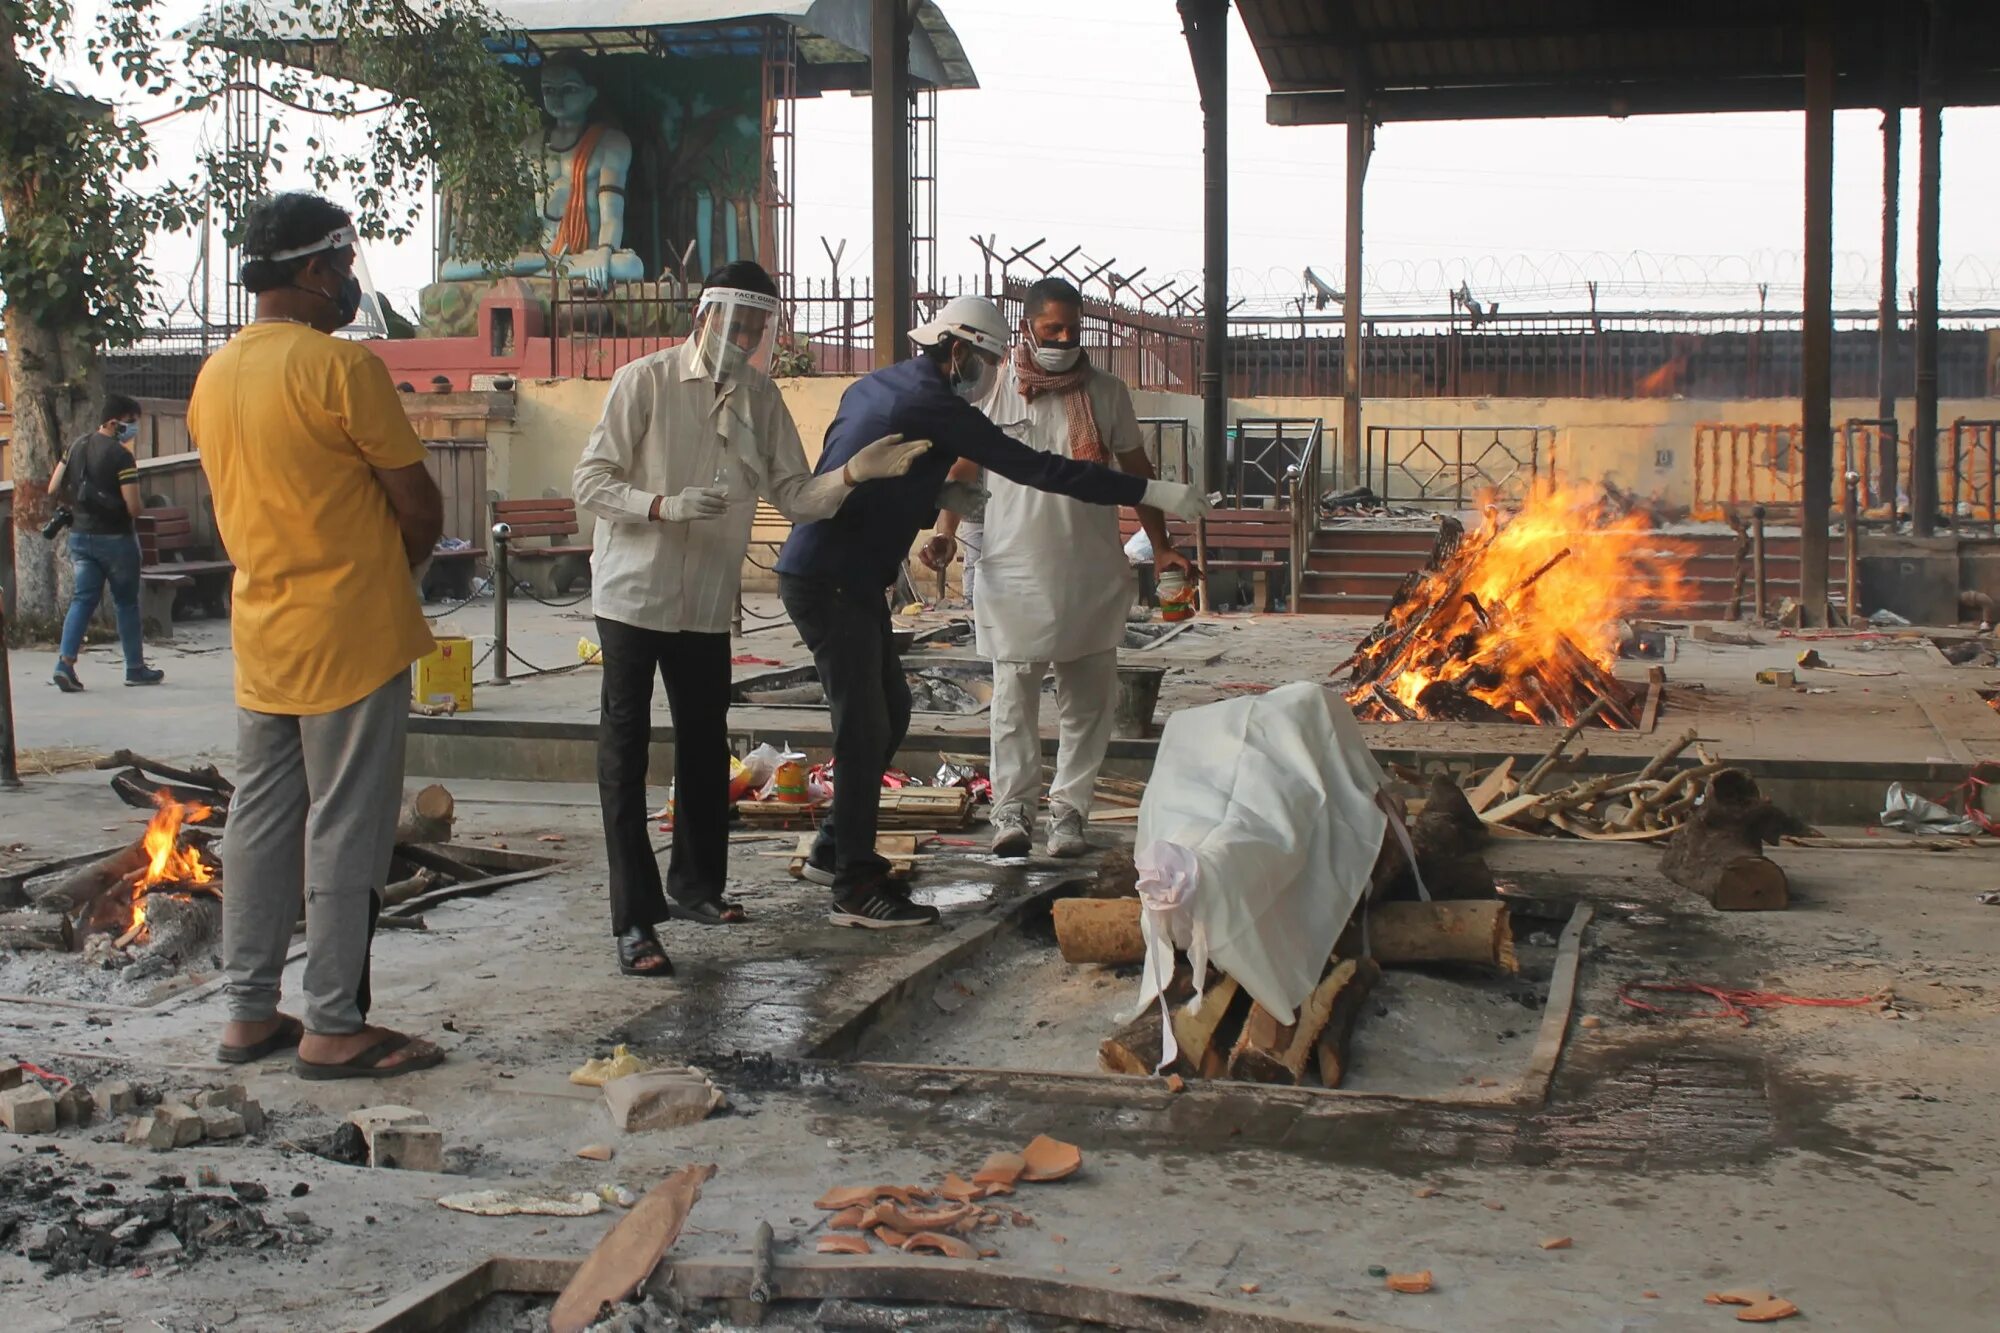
(89, 883)
(1719, 851)
(143, 793)
(1480, 933)
(201, 775)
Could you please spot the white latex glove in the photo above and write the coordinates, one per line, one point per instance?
(694, 504)
(890, 456)
(1176, 498)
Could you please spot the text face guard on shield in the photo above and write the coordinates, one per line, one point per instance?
(368, 321)
(735, 328)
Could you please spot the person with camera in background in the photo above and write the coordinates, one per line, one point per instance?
(98, 480)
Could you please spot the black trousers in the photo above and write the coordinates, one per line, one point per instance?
(849, 633)
(695, 668)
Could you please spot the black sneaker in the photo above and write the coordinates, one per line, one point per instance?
(816, 871)
(144, 675)
(877, 906)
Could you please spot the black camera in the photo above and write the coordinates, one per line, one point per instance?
(59, 520)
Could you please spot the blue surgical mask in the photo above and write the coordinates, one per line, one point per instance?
(128, 431)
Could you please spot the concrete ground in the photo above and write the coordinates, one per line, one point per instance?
(1838, 1156)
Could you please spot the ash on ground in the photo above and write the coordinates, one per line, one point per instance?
(70, 1222)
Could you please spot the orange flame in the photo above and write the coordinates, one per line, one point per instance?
(1513, 601)
(167, 861)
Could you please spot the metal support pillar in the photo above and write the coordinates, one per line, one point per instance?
(1360, 143)
(10, 772)
(889, 86)
(1923, 434)
(1816, 405)
(1886, 331)
(503, 587)
(1205, 23)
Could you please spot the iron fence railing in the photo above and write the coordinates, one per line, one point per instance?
(829, 330)
(1452, 467)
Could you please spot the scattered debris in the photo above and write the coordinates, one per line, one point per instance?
(630, 1251)
(509, 1203)
(1556, 1243)
(1767, 1312)
(595, 1152)
(661, 1099)
(28, 1109)
(845, 1245)
(1739, 1296)
(1409, 1284)
(597, 1072)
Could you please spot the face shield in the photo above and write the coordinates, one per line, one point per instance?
(355, 295)
(734, 329)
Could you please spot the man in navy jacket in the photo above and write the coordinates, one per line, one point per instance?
(834, 574)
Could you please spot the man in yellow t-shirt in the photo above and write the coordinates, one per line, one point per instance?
(323, 502)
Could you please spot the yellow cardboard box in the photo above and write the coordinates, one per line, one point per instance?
(445, 673)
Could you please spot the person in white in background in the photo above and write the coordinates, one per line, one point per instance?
(690, 438)
(1054, 583)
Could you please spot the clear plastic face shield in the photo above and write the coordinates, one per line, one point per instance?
(734, 329)
(354, 294)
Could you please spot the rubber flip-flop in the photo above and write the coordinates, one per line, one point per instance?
(282, 1038)
(368, 1064)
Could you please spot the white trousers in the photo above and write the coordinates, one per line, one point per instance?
(1086, 690)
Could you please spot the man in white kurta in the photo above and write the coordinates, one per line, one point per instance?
(1054, 583)
(691, 438)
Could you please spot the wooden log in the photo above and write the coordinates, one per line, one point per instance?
(1719, 852)
(1135, 1048)
(400, 892)
(202, 775)
(1330, 1051)
(89, 883)
(36, 930)
(1492, 787)
(1569, 733)
(1268, 1051)
(1205, 1036)
(428, 816)
(1439, 932)
(1098, 930)
(1447, 836)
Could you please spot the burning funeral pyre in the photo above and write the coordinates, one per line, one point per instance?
(1515, 622)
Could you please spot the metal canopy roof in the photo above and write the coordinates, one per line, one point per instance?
(832, 34)
(1500, 59)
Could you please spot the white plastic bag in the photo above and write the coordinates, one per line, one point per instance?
(761, 763)
(1260, 825)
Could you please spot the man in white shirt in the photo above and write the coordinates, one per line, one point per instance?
(1054, 584)
(690, 438)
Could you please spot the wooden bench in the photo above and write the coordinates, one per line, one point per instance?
(1256, 540)
(170, 549)
(551, 566)
(449, 579)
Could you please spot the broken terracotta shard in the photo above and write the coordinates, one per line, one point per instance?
(1410, 1284)
(1767, 1312)
(951, 1247)
(845, 1245)
(1002, 1168)
(1050, 1160)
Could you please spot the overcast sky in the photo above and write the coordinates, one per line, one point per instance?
(1086, 130)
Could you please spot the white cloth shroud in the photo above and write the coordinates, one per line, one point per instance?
(1260, 826)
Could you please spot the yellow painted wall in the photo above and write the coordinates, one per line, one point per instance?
(1640, 444)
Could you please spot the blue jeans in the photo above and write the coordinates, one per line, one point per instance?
(100, 559)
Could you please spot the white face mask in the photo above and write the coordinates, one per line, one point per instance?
(976, 388)
(1057, 360)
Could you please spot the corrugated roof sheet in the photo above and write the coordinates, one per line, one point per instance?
(1480, 59)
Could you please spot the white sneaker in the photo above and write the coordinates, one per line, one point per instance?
(1010, 832)
(1066, 832)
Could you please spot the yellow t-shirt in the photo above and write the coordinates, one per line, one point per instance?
(290, 423)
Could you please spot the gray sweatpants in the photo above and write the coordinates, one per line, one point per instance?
(313, 818)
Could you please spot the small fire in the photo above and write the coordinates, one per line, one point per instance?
(167, 861)
(1522, 618)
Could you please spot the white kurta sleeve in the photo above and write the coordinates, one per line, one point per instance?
(791, 485)
(601, 481)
